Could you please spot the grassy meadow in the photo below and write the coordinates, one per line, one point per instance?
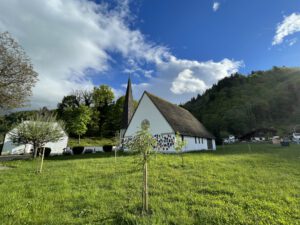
(96, 141)
(234, 185)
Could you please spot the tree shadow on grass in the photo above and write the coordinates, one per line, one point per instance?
(130, 216)
(89, 156)
(251, 148)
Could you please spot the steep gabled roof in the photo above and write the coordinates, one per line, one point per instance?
(180, 119)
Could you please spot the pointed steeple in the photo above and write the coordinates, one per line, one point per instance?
(128, 108)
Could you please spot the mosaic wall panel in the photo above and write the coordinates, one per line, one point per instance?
(164, 141)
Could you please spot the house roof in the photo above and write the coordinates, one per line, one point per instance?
(180, 119)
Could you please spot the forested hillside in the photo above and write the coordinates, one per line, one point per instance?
(239, 104)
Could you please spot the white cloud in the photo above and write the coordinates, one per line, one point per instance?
(216, 6)
(70, 40)
(186, 82)
(178, 80)
(292, 41)
(66, 38)
(289, 26)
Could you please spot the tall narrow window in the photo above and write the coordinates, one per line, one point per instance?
(195, 140)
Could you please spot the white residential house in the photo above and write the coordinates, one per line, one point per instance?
(10, 148)
(165, 119)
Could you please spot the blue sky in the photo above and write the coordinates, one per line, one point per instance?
(239, 30)
(173, 48)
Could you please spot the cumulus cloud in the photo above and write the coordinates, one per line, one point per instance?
(178, 80)
(70, 41)
(186, 82)
(216, 6)
(66, 39)
(289, 26)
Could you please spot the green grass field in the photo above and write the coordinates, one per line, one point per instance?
(234, 185)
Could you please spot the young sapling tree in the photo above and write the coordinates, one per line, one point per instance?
(143, 143)
(179, 145)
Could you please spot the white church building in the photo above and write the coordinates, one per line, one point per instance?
(165, 119)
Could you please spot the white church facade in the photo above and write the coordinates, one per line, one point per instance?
(165, 120)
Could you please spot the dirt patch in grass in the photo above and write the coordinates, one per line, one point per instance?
(4, 168)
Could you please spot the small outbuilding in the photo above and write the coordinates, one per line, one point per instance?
(56, 147)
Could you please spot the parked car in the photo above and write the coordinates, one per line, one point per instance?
(296, 137)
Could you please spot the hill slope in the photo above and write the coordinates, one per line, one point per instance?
(239, 103)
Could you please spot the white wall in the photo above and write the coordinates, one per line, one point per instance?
(147, 110)
(10, 148)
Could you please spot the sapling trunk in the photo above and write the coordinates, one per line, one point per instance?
(34, 152)
(182, 162)
(145, 189)
(249, 147)
(43, 155)
(78, 139)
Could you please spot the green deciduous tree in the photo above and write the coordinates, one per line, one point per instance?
(143, 143)
(77, 120)
(17, 76)
(103, 97)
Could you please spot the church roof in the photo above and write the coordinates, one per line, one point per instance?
(180, 119)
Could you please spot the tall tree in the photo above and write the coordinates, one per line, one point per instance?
(84, 97)
(77, 120)
(17, 76)
(69, 101)
(103, 97)
(39, 130)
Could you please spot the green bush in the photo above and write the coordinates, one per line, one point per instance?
(107, 148)
(77, 150)
(47, 151)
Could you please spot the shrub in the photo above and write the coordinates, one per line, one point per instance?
(77, 150)
(107, 148)
(1, 146)
(47, 151)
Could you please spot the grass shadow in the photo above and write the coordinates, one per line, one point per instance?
(89, 156)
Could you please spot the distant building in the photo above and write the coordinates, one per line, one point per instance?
(10, 148)
(258, 135)
(230, 140)
(165, 119)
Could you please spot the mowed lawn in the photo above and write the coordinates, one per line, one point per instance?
(234, 185)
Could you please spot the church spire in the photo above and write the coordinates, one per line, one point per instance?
(128, 107)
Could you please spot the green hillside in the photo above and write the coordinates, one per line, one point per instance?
(239, 103)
